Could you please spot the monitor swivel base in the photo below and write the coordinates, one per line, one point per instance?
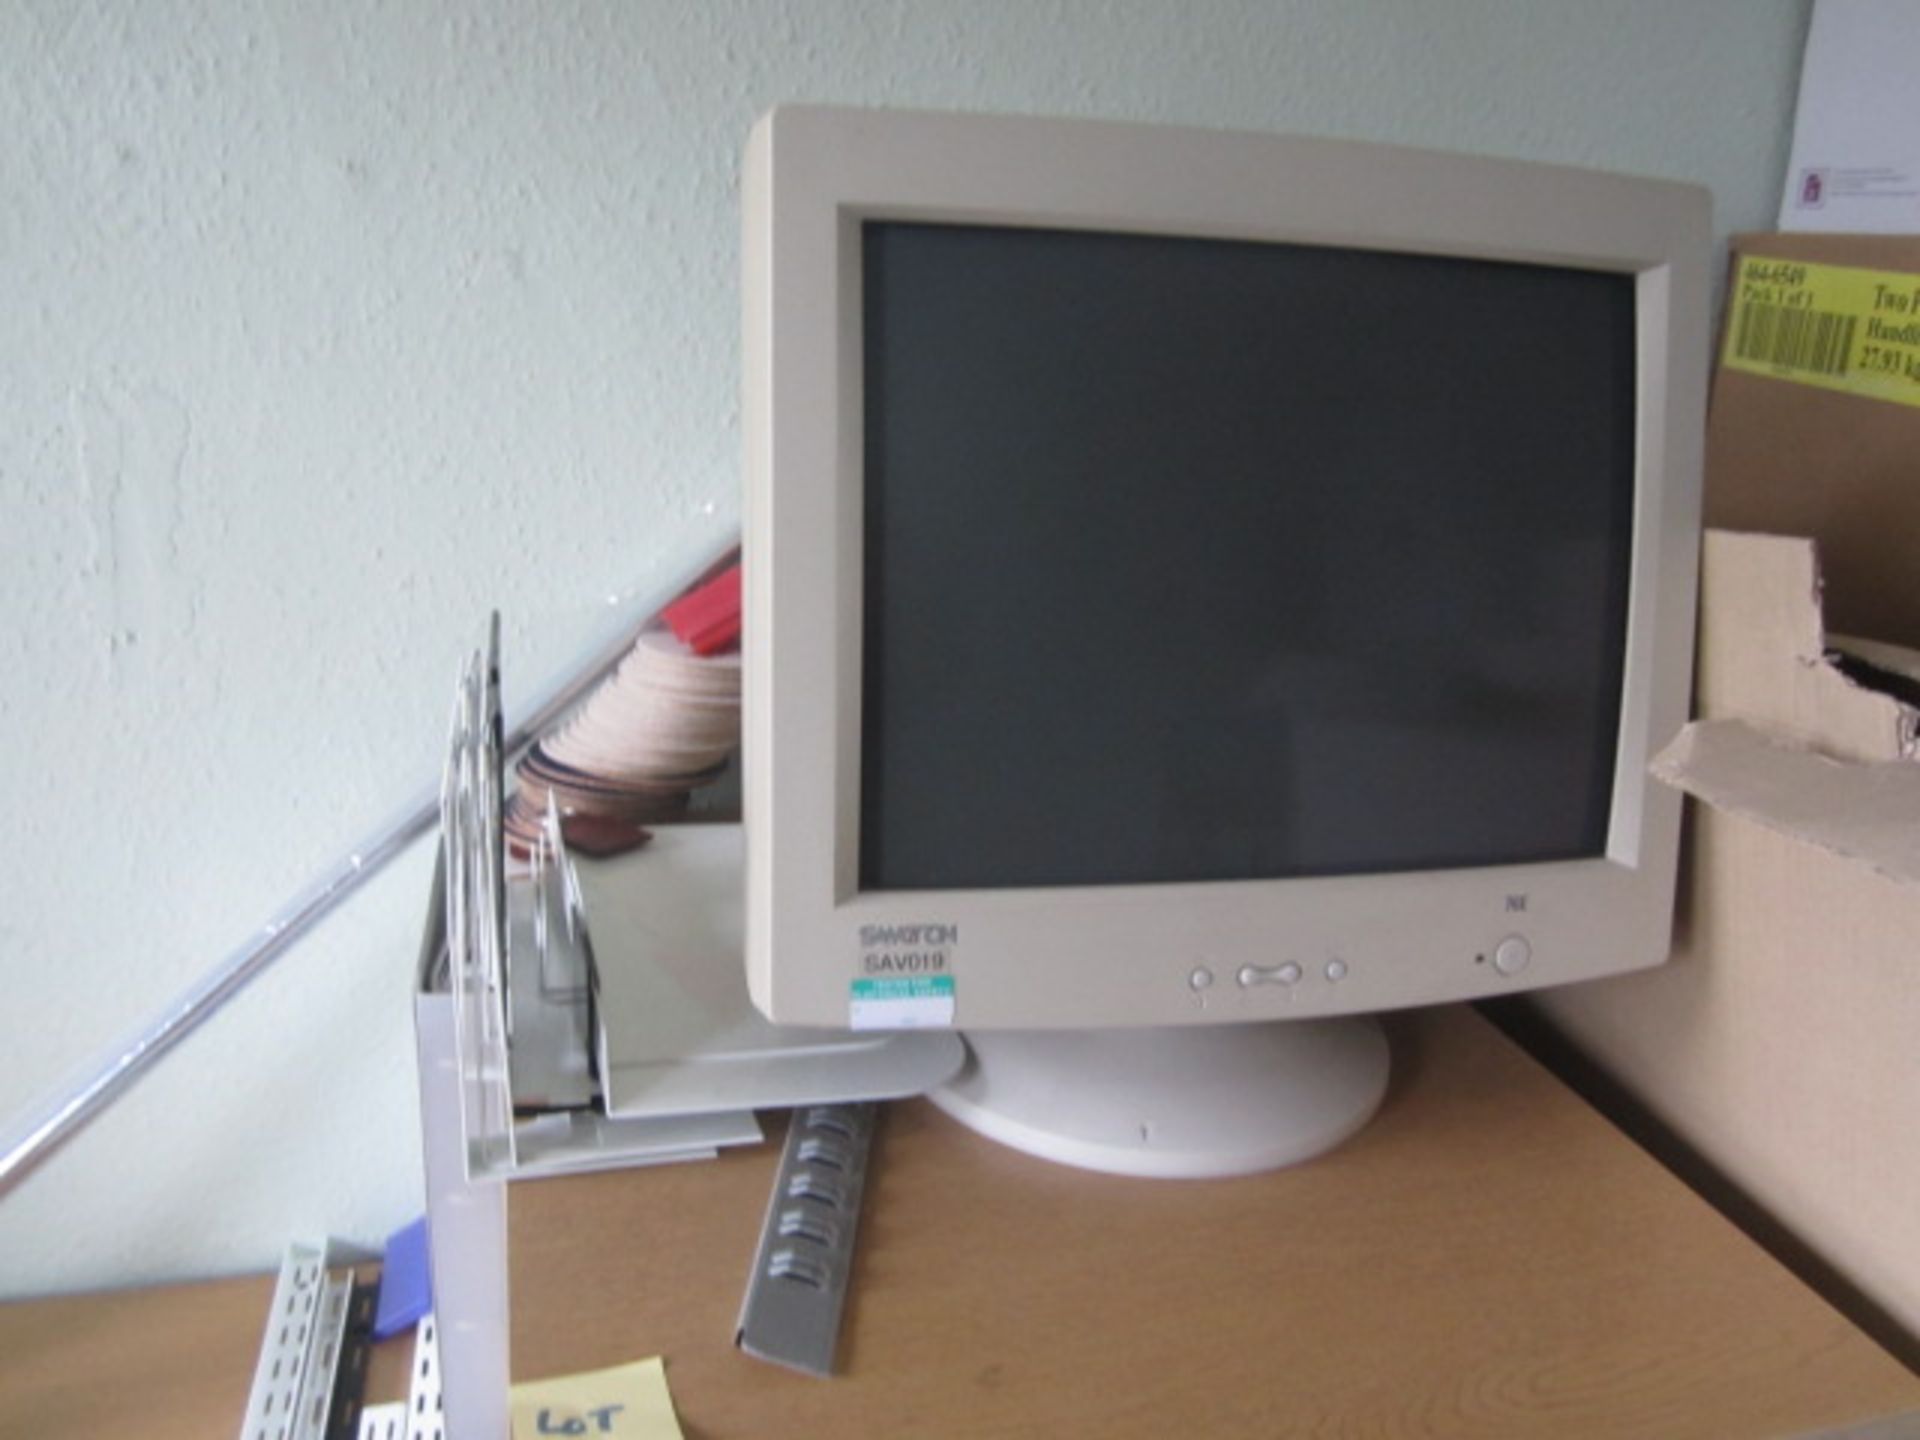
(1173, 1102)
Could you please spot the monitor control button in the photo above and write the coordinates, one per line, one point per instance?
(1511, 955)
(1336, 970)
(1201, 978)
(1284, 974)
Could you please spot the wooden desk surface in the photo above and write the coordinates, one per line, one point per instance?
(175, 1360)
(170, 1362)
(1489, 1257)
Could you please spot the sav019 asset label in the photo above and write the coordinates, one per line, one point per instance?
(920, 949)
(1832, 326)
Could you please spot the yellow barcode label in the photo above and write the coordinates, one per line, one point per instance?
(1828, 325)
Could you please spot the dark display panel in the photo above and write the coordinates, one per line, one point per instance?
(1206, 560)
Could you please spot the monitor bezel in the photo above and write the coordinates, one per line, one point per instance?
(1127, 955)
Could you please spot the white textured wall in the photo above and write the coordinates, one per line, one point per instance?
(324, 327)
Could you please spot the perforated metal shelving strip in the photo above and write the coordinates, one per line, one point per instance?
(420, 1416)
(315, 1332)
(791, 1314)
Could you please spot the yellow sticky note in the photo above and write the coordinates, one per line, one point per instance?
(628, 1402)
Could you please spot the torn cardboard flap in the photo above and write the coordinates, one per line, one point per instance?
(1787, 737)
(1764, 657)
(1869, 812)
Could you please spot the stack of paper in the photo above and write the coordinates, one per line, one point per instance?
(677, 1032)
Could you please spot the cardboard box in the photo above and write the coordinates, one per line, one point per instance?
(1782, 1043)
(1816, 431)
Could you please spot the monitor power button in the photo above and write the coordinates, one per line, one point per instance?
(1511, 955)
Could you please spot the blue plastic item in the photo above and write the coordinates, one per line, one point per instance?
(406, 1281)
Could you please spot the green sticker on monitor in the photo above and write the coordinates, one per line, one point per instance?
(901, 1002)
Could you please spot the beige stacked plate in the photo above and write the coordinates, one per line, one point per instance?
(663, 724)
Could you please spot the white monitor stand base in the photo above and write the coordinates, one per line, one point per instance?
(1177, 1102)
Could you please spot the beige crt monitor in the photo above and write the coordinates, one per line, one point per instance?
(1200, 580)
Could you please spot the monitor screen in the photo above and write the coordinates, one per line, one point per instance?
(1189, 559)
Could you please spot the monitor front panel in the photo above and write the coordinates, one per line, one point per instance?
(1171, 552)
